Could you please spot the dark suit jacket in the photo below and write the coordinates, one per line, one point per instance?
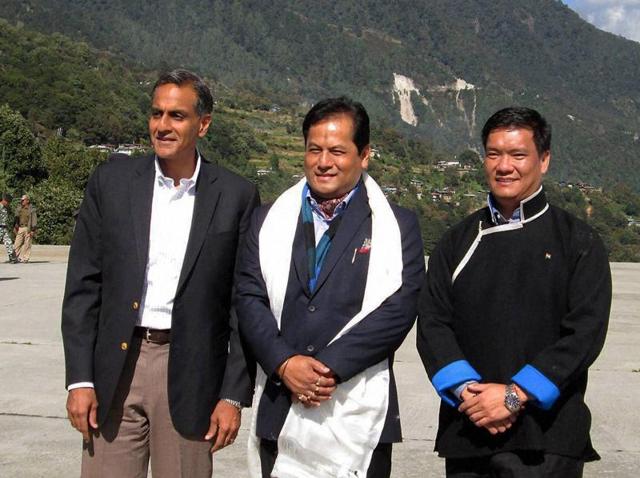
(309, 321)
(105, 279)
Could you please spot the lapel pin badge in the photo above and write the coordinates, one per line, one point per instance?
(547, 255)
(363, 249)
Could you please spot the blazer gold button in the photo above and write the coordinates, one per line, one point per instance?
(124, 346)
(135, 305)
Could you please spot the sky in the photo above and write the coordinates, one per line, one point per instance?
(616, 16)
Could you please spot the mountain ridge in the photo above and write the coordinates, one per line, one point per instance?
(538, 54)
(79, 95)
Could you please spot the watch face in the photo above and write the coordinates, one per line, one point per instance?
(511, 400)
(512, 403)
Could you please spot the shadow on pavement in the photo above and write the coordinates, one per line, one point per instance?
(34, 262)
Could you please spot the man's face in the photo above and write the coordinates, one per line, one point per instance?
(24, 201)
(513, 166)
(332, 163)
(174, 124)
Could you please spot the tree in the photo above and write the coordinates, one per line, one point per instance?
(57, 202)
(20, 155)
(70, 161)
(470, 157)
(623, 195)
(274, 163)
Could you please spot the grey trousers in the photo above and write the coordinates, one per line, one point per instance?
(139, 427)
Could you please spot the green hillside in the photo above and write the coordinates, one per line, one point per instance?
(449, 64)
(44, 145)
(58, 83)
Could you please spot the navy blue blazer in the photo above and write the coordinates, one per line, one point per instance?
(310, 320)
(105, 283)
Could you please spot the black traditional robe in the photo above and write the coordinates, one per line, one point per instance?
(528, 303)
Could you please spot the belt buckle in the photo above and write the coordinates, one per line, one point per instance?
(147, 334)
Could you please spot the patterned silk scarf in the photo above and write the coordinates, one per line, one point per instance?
(317, 254)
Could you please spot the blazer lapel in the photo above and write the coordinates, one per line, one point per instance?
(141, 197)
(207, 196)
(354, 216)
(299, 257)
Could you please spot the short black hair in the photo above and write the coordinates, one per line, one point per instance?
(520, 117)
(180, 77)
(342, 105)
(6, 197)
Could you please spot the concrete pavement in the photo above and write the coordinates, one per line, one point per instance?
(36, 439)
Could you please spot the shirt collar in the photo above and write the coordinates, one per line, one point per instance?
(339, 208)
(536, 201)
(496, 215)
(185, 183)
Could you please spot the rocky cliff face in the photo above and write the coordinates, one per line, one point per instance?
(405, 92)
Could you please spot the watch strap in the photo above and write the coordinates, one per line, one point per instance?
(235, 403)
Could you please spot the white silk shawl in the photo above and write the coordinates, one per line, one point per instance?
(336, 439)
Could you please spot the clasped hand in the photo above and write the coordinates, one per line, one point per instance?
(484, 404)
(309, 380)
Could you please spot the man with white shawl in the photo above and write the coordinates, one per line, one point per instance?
(326, 291)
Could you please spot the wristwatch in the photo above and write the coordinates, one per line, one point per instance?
(511, 399)
(235, 403)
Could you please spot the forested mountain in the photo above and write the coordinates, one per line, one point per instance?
(435, 68)
(59, 96)
(58, 83)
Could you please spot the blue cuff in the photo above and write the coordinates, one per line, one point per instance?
(536, 384)
(451, 375)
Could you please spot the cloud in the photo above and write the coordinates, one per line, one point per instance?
(616, 16)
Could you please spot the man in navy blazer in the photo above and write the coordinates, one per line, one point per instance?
(154, 365)
(298, 356)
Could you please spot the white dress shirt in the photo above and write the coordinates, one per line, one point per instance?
(171, 213)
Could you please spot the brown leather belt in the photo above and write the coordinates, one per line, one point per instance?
(157, 336)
